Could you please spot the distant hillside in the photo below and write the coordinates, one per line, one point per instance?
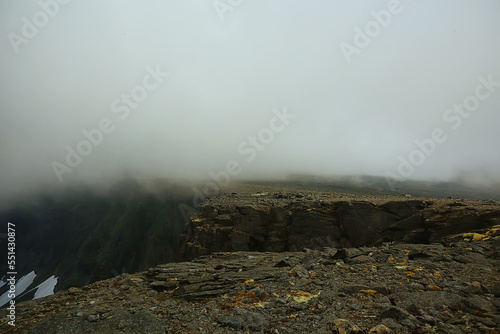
(380, 185)
(84, 235)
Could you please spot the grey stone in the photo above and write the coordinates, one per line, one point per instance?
(395, 313)
(93, 317)
(243, 320)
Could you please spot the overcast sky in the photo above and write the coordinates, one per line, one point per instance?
(355, 83)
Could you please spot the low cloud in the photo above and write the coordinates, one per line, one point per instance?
(92, 92)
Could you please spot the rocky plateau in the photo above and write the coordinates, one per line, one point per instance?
(302, 262)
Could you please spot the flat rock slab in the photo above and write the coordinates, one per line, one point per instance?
(390, 288)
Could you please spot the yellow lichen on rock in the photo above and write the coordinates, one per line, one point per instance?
(302, 296)
(380, 329)
(493, 232)
(369, 292)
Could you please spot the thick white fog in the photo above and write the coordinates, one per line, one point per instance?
(93, 90)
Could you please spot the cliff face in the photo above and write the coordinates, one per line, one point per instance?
(84, 235)
(279, 222)
(392, 288)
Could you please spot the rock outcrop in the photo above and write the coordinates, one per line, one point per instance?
(279, 222)
(301, 262)
(452, 287)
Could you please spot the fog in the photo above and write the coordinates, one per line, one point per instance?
(91, 91)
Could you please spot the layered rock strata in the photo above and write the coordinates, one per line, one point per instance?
(279, 222)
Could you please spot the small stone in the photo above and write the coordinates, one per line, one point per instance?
(345, 326)
(353, 288)
(360, 259)
(383, 290)
(136, 279)
(478, 303)
(354, 306)
(74, 291)
(299, 306)
(300, 271)
(282, 264)
(151, 293)
(473, 289)
(93, 317)
(280, 300)
(427, 319)
(259, 293)
(243, 320)
(122, 324)
(164, 285)
(415, 286)
(395, 313)
(380, 329)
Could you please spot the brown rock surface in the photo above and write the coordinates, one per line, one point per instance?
(290, 221)
(302, 262)
(396, 288)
